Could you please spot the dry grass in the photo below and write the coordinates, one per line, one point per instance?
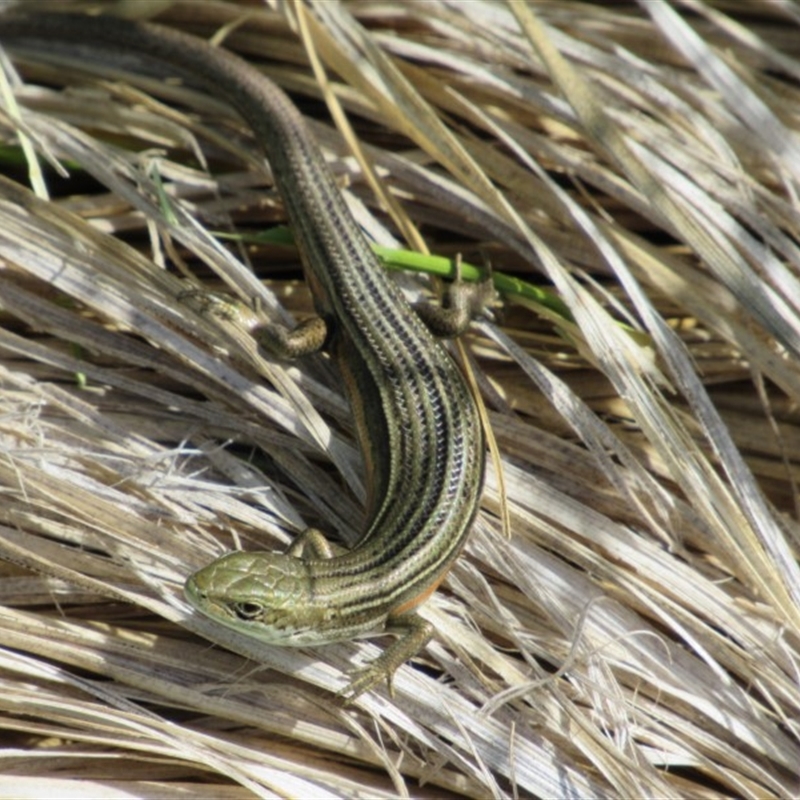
(638, 633)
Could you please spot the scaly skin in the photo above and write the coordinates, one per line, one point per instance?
(417, 423)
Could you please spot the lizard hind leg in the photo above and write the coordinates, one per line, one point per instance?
(461, 303)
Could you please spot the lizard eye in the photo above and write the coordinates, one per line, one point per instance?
(247, 610)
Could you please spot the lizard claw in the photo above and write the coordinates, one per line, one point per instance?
(363, 680)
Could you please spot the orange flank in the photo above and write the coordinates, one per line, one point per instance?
(420, 598)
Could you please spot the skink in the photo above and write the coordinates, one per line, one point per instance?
(416, 420)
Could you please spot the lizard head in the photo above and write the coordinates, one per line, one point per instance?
(267, 596)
